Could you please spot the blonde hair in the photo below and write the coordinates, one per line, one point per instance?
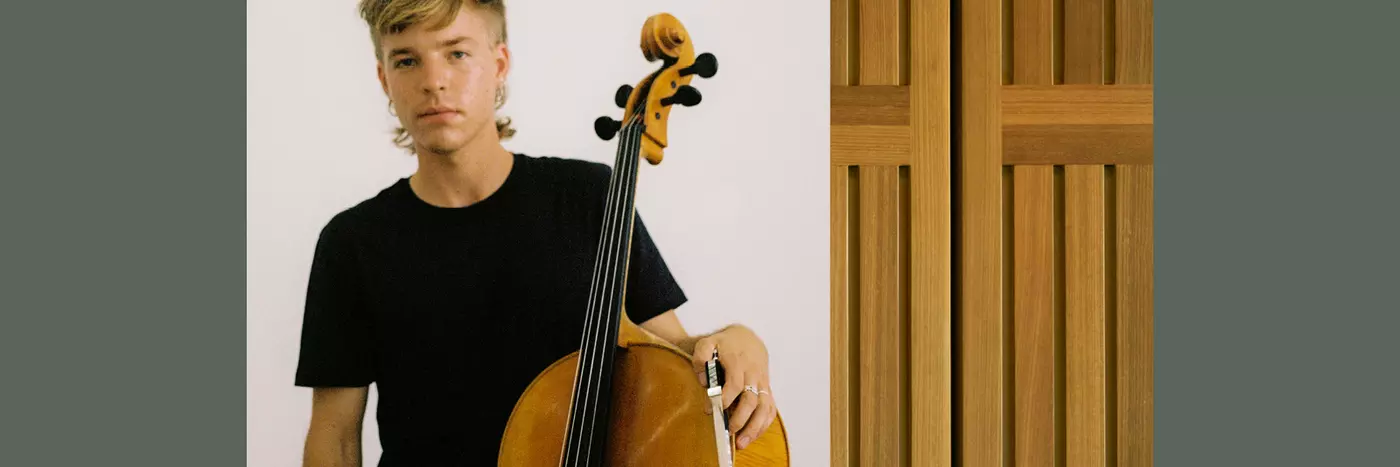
(393, 16)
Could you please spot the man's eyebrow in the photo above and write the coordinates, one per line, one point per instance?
(446, 43)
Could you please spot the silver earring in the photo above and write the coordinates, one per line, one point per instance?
(391, 109)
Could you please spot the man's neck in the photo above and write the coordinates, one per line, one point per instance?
(463, 178)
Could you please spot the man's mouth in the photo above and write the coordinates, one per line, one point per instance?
(437, 111)
(439, 114)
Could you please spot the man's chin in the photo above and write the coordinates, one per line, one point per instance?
(442, 149)
(441, 144)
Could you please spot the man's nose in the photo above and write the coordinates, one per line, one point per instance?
(436, 76)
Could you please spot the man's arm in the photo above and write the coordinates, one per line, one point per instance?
(337, 421)
(667, 326)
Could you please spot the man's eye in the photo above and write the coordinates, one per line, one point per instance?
(403, 62)
(460, 54)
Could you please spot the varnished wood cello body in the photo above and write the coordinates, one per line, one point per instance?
(628, 398)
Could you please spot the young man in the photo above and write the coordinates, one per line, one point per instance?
(454, 287)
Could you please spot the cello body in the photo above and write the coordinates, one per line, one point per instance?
(658, 413)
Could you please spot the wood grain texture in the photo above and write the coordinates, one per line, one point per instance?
(1033, 49)
(870, 105)
(843, 387)
(979, 305)
(1134, 312)
(1084, 47)
(1077, 105)
(1065, 124)
(881, 348)
(930, 247)
(1034, 225)
(1078, 144)
(866, 145)
(1133, 42)
(1084, 316)
(880, 48)
(842, 25)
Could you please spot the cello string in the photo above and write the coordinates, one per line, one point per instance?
(615, 284)
(600, 346)
(582, 377)
(593, 346)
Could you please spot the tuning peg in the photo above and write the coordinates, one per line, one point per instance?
(705, 66)
(623, 92)
(606, 127)
(685, 95)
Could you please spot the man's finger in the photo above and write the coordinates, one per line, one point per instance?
(741, 414)
(733, 386)
(704, 349)
(758, 423)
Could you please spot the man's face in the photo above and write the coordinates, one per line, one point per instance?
(443, 83)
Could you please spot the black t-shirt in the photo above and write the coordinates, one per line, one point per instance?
(452, 312)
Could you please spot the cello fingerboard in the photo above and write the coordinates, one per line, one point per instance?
(588, 420)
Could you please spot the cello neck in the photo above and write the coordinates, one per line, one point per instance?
(588, 428)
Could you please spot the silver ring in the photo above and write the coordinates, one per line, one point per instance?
(752, 389)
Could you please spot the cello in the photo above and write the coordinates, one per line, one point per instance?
(628, 397)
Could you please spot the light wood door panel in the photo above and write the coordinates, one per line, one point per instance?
(991, 300)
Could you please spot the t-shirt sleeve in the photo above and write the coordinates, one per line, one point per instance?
(335, 335)
(651, 288)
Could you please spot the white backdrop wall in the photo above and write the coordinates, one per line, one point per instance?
(739, 207)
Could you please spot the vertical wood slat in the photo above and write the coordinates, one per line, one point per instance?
(1084, 41)
(1033, 53)
(1084, 316)
(880, 47)
(881, 379)
(841, 25)
(1135, 319)
(979, 306)
(930, 211)
(1133, 42)
(1008, 310)
(843, 427)
(1034, 316)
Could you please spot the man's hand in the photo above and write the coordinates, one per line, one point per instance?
(745, 361)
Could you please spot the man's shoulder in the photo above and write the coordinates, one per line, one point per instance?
(571, 171)
(357, 218)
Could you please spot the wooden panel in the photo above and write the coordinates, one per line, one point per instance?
(1134, 315)
(1077, 105)
(1033, 226)
(1033, 39)
(870, 105)
(842, 26)
(1084, 316)
(979, 424)
(1084, 41)
(882, 406)
(1078, 144)
(880, 47)
(1065, 124)
(843, 387)
(865, 145)
(930, 256)
(1020, 105)
(1133, 42)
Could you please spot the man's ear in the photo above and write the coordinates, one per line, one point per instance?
(379, 70)
(502, 62)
